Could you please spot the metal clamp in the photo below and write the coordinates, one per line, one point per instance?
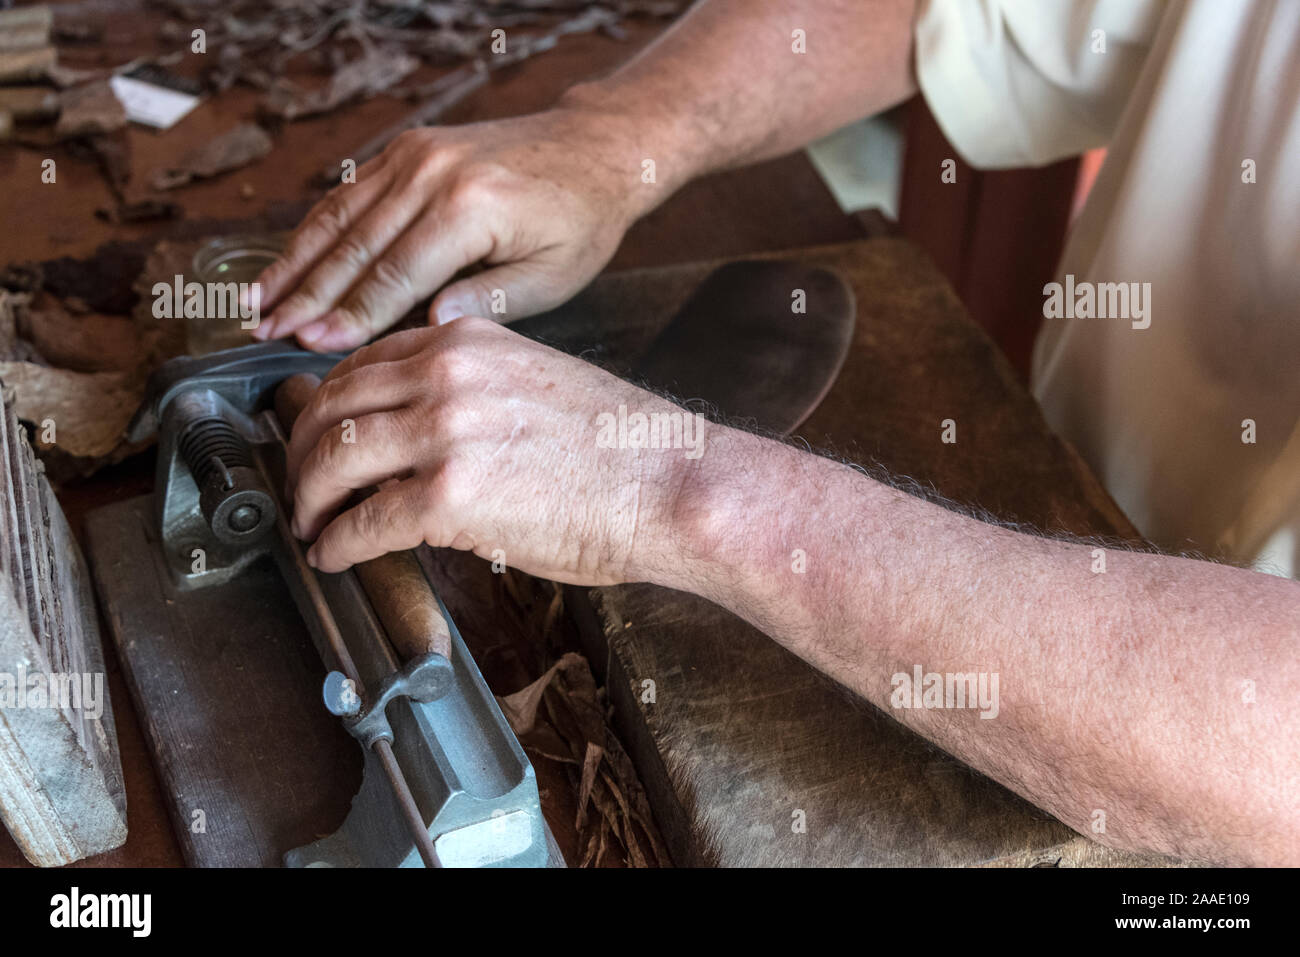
(423, 679)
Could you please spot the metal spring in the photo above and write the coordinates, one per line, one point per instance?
(212, 445)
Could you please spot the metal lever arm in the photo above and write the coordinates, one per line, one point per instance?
(423, 679)
(241, 376)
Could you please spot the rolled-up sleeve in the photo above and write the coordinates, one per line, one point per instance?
(1023, 82)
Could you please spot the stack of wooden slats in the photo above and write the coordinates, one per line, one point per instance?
(61, 789)
(26, 56)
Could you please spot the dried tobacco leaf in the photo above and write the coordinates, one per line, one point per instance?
(141, 211)
(90, 409)
(88, 110)
(373, 73)
(235, 148)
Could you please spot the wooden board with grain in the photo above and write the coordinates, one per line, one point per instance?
(61, 790)
(742, 738)
(227, 684)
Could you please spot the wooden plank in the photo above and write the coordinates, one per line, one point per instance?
(227, 684)
(25, 28)
(61, 790)
(741, 734)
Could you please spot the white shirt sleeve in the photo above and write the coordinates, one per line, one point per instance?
(1023, 82)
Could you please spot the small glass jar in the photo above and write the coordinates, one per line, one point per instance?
(224, 323)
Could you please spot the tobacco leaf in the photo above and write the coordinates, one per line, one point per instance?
(13, 348)
(236, 147)
(616, 790)
(29, 103)
(77, 370)
(590, 766)
(625, 820)
(575, 732)
(444, 93)
(84, 342)
(632, 797)
(88, 110)
(372, 73)
(141, 211)
(73, 33)
(111, 152)
(84, 369)
(25, 276)
(29, 66)
(161, 338)
(254, 43)
(89, 412)
(25, 29)
(520, 708)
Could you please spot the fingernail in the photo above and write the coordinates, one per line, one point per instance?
(263, 329)
(311, 557)
(449, 311)
(313, 332)
(296, 527)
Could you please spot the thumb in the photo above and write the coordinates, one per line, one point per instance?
(504, 293)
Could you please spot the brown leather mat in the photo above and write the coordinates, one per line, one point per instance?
(760, 341)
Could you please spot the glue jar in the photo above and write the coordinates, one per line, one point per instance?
(225, 269)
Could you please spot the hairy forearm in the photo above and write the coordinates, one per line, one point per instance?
(1163, 692)
(725, 86)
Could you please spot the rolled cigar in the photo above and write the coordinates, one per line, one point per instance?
(394, 583)
(405, 604)
(292, 396)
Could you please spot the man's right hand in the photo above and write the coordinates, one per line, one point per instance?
(542, 201)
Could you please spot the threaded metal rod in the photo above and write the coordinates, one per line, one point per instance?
(211, 445)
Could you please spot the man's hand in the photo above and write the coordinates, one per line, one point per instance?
(1119, 691)
(542, 200)
(486, 441)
